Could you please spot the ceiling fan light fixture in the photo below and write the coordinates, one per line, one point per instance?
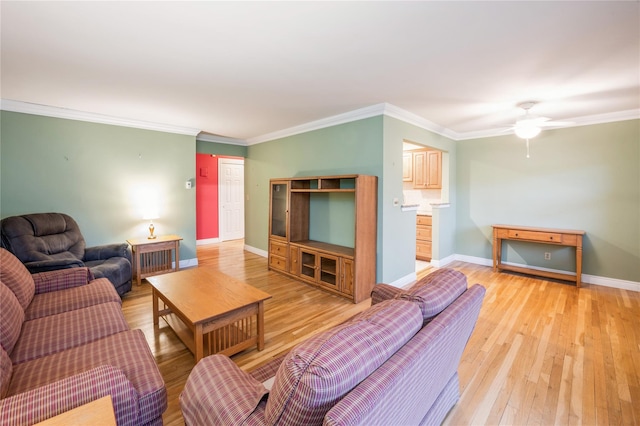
(526, 129)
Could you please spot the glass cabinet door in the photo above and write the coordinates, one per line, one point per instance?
(278, 224)
(308, 265)
(329, 272)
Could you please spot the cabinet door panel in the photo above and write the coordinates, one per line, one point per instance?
(419, 169)
(329, 271)
(346, 277)
(294, 260)
(308, 264)
(279, 209)
(407, 167)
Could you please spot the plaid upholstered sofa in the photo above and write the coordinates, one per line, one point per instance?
(393, 364)
(64, 342)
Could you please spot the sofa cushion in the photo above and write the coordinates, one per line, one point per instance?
(436, 291)
(233, 398)
(56, 302)
(16, 276)
(320, 371)
(6, 368)
(11, 318)
(127, 351)
(55, 333)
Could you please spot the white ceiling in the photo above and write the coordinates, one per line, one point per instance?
(246, 69)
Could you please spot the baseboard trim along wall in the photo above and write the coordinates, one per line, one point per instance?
(186, 263)
(410, 278)
(586, 278)
(257, 251)
(207, 241)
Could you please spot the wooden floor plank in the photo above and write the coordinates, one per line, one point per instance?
(543, 351)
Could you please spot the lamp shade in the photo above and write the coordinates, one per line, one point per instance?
(526, 129)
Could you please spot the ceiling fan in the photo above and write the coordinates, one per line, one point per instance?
(529, 126)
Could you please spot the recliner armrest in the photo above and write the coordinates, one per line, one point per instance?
(107, 251)
(53, 264)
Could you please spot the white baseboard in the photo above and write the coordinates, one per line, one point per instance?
(257, 251)
(404, 281)
(439, 263)
(186, 263)
(410, 278)
(207, 241)
(587, 279)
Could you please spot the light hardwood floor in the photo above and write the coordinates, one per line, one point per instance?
(543, 352)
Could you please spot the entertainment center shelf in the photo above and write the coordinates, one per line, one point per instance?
(347, 271)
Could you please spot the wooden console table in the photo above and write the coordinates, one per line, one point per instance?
(153, 256)
(562, 237)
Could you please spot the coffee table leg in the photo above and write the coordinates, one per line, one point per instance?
(154, 299)
(197, 337)
(260, 326)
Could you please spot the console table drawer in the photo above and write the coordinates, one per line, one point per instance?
(548, 237)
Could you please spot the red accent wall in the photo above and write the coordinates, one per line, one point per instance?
(206, 197)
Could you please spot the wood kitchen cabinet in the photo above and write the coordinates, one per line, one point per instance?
(346, 271)
(407, 167)
(423, 237)
(427, 169)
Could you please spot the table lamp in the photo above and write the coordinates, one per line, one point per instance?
(150, 215)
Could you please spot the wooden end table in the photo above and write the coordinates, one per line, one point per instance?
(153, 256)
(210, 312)
(98, 412)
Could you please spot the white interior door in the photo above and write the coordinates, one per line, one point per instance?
(231, 198)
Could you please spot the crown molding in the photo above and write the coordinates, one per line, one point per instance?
(208, 137)
(416, 120)
(70, 114)
(587, 120)
(355, 115)
(358, 114)
(334, 120)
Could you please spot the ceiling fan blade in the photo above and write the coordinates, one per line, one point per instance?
(556, 123)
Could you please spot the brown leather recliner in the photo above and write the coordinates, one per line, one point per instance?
(49, 241)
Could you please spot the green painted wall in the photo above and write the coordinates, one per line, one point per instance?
(370, 146)
(351, 148)
(204, 147)
(399, 230)
(584, 177)
(98, 174)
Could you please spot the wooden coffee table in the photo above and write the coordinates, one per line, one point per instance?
(210, 312)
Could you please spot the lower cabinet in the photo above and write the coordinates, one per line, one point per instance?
(331, 271)
(423, 237)
(278, 255)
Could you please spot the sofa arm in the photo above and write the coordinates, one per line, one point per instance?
(37, 266)
(58, 397)
(107, 251)
(218, 392)
(382, 292)
(61, 279)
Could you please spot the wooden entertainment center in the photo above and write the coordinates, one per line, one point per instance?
(349, 271)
